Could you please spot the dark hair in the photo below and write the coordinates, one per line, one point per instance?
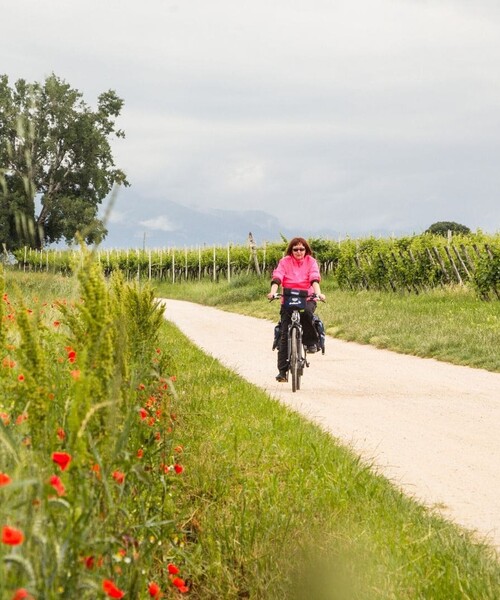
(294, 242)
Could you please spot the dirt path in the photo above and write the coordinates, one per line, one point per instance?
(430, 427)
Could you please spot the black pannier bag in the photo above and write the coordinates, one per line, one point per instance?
(277, 333)
(320, 330)
(294, 298)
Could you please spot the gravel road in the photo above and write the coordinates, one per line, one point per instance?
(430, 427)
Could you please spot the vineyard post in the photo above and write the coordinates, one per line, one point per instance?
(471, 264)
(460, 259)
(199, 263)
(453, 265)
(253, 251)
(441, 263)
(228, 263)
(185, 263)
(264, 248)
(214, 275)
(173, 266)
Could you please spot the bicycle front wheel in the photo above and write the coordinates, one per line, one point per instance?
(295, 359)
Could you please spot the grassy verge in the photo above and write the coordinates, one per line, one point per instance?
(274, 508)
(450, 325)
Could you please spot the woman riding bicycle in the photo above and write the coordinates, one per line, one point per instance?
(300, 271)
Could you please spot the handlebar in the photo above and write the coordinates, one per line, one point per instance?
(312, 296)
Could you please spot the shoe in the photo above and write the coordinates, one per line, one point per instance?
(312, 349)
(281, 376)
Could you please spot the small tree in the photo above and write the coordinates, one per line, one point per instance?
(55, 150)
(442, 228)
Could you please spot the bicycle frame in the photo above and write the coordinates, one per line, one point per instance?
(296, 354)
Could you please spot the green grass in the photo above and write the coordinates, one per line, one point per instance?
(275, 508)
(452, 324)
(269, 506)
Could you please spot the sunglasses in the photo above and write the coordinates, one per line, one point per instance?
(299, 249)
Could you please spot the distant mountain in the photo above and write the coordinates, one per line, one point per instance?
(178, 225)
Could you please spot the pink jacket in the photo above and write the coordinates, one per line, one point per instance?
(298, 274)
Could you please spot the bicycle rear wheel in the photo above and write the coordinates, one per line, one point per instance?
(295, 359)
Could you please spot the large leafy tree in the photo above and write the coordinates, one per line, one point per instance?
(442, 228)
(56, 164)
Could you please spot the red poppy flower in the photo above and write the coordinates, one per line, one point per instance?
(140, 453)
(61, 434)
(118, 476)
(21, 418)
(62, 459)
(58, 485)
(4, 479)
(22, 594)
(143, 413)
(154, 590)
(178, 469)
(180, 584)
(111, 590)
(172, 569)
(75, 374)
(20, 377)
(56, 323)
(11, 536)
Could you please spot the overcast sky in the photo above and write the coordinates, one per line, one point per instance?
(357, 115)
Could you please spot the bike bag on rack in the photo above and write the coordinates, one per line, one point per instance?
(294, 298)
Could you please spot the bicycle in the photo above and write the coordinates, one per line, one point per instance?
(297, 353)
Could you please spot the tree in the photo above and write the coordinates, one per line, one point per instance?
(442, 228)
(55, 154)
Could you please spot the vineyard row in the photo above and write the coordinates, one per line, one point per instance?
(413, 263)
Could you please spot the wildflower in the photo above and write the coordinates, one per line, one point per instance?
(62, 459)
(118, 476)
(179, 449)
(5, 418)
(56, 323)
(178, 469)
(21, 418)
(89, 562)
(140, 453)
(71, 354)
(22, 594)
(154, 590)
(173, 378)
(180, 584)
(12, 536)
(4, 479)
(111, 590)
(61, 434)
(58, 485)
(8, 363)
(172, 569)
(20, 377)
(143, 413)
(141, 386)
(75, 374)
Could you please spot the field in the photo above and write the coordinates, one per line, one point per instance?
(184, 480)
